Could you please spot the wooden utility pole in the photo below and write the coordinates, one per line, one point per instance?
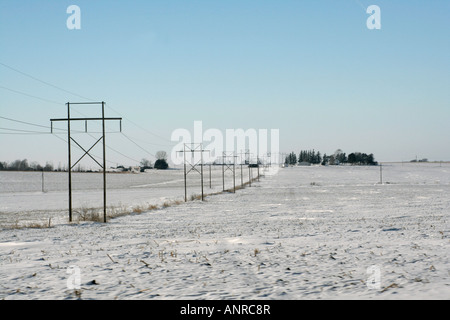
(195, 147)
(381, 173)
(231, 167)
(69, 143)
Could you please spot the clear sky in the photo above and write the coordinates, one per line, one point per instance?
(310, 68)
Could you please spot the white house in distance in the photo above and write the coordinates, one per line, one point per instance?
(135, 169)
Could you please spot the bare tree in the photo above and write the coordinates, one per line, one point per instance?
(161, 155)
(146, 163)
(161, 163)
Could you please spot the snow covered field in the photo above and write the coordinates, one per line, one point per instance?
(299, 233)
(22, 200)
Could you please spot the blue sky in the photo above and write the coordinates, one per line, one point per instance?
(309, 68)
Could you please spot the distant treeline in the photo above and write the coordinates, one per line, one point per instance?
(23, 165)
(339, 157)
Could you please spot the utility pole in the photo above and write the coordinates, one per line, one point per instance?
(250, 172)
(210, 175)
(242, 176)
(194, 147)
(257, 166)
(69, 143)
(43, 181)
(381, 173)
(231, 167)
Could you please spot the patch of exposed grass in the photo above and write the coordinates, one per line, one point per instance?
(196, 197)
(30, 225)
(89, 214)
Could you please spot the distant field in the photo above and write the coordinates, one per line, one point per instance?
(22, 199)
(299, 233)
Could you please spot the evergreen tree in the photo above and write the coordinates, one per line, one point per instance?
(324, 159)
(352, 158)
(292, 158)
(161, 164)
(318, 158)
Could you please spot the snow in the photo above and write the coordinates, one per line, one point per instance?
(300, 233)
(22, 200)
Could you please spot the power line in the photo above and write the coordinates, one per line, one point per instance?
(138, 126)
(125, 137)
(128, 138)
(114, 150)
(77, 95)
(80, 96)
(27, 131)
(29, 95)
(150, 143)
(42, 81)
(21, 133)
(40, 126)
(138, 145)
(28, 123)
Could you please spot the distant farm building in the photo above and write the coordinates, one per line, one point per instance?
(135, 169)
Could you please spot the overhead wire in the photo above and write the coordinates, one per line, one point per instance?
(129, 138)
(112, 149)
(83, 97)
(18, 131)
(138, 145)
(27, 123)
(42, 126)
(42, 81)
(29, 132)
(25, 131)
(29, 95)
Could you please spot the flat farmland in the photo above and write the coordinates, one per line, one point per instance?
(299, 233)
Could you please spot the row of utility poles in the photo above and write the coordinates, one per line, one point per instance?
(193, 165)
(189, 165)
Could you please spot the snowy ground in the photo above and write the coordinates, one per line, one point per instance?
(301, 233)
(22, 200)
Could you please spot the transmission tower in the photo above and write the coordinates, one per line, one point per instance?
(193, 148)
(69, 142)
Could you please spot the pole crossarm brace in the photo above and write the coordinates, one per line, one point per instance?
(86, 152)
(226, 155)
(84, 119)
